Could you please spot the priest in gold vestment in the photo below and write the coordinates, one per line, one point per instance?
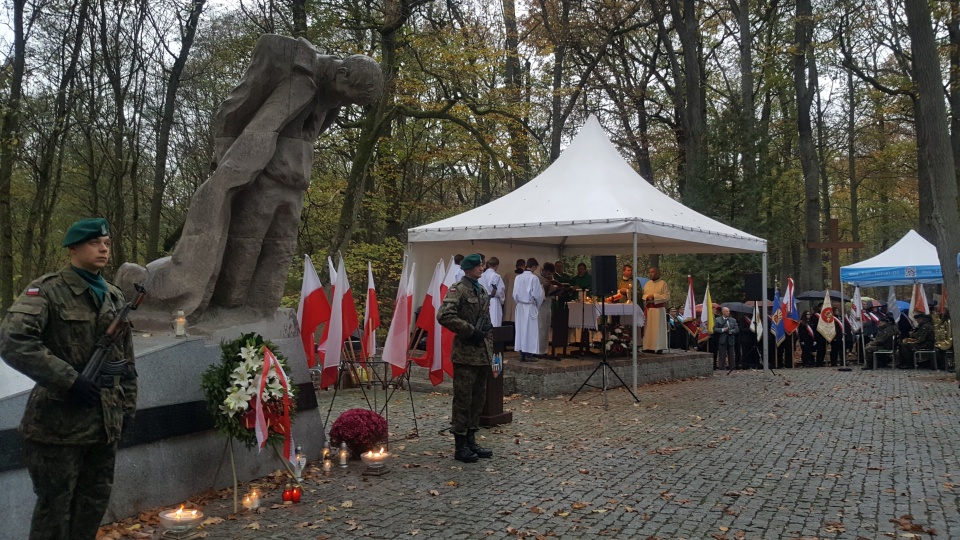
(656, 294)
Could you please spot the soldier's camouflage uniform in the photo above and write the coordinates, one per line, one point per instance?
(884, 340)
(49, 334)
(465, 307)
(925, 337)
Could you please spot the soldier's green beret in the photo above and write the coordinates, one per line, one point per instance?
(470, 261)
(86, 229)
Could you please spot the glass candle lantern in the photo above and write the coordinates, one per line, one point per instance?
(344, 455)
(180, 325)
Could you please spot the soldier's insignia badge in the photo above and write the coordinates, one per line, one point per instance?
(34, 291)
(103, 229)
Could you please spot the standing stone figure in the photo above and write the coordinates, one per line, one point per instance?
(241, 229)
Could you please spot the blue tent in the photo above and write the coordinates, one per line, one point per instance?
(911, 260)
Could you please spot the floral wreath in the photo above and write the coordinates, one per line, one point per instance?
(231, 386)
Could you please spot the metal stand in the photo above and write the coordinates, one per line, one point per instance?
(388, 384)
(604, 365)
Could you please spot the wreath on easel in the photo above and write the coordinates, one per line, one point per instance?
(230, 389)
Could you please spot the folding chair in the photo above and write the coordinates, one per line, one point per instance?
(892, 352)
(918, 357)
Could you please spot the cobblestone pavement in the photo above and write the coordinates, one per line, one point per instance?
(800, 454)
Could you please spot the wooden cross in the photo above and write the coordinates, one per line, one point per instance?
(835, 245)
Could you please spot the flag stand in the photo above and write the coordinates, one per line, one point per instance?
(388, 384)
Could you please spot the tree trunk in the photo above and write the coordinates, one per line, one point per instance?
(805, 82)
(953, 28)
(933, 137)
(298, 9)
(513, 80)
(188, 33)
(9, 145)
(557, 116)
(852, 162)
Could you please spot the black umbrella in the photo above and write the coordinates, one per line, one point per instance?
(818, 295)
(738, 307)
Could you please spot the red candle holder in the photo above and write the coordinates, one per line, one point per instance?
(288, 495)
(296, 493)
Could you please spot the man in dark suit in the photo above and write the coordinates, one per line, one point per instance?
(726, 329)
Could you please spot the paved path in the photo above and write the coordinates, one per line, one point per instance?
(801, 454)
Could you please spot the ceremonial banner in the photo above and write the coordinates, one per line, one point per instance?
(918, 303)
(856, 311)
(791, 317)
(892, 307)
(343, 323)
(690, 310)
(826, 327)
(776, 326)
(706, 316)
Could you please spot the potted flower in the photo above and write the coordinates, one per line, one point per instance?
(361, 429)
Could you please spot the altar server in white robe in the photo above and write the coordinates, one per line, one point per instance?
(656, 294)
(493, 283)
(528, 295)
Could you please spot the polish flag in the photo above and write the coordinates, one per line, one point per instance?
(343, 323)
(439, 339)
(261, 428)
(314, 310)
(322, 349)
(371, 317)
(690, 310)
(397, 344)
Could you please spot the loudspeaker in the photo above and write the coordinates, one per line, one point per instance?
(603, 269)
(753, 286)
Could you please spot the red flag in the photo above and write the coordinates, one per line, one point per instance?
(314, 310)
(371, 317)
(437, 358)
(261, 427)
(397, 344)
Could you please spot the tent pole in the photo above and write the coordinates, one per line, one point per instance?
(634, 318)
(764, 316)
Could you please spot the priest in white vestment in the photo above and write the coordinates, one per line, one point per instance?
(656, 294)
(493, 283)
(528, 295)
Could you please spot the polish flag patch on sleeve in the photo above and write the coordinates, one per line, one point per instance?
(33, 291)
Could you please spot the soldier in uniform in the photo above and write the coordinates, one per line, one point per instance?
(71, 424)
(922, 338)
(884, 340)
(465, 312)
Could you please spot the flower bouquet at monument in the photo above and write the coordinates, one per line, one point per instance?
(618, 341)
(361, 429)
(231, 387)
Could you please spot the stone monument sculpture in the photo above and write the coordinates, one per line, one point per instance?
(241, 228)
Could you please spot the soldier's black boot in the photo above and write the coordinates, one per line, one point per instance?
(476, 448)
(463, 453)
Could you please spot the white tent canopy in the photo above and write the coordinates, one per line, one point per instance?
(911, 260)
(589, 202)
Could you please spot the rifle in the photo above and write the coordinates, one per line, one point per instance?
(97, 366)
